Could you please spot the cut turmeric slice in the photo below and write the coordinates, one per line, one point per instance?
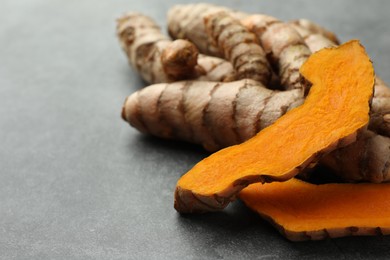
(330, 118)
(304, 211)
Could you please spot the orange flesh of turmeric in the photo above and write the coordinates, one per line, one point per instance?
(304, 211)
(332, 111)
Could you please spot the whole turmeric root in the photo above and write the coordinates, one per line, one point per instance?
(215, 115)
(239, 46)
(158, 59)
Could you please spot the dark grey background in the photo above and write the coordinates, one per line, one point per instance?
(76, 182)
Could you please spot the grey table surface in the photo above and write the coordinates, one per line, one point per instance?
(76, 182)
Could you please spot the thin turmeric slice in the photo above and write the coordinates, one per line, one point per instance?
(304, 211)
(330, 118)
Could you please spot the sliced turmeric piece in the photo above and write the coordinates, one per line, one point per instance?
(304, 211)
(329, 118)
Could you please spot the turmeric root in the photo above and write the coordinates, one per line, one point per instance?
(312, 28)
(380, 112)
(214, 69)
(329, 118)
(187, 22)
(283, 44)
(144, 44)
(239, 46)
(367, 159)
(314, 40)
(158, 59)
(303, 211)
(215, 115)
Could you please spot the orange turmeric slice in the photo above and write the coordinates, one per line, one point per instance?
(304, 211)
(332, 114)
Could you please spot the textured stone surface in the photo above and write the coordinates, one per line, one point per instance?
(77, 183)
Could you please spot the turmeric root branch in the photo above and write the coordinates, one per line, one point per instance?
(187, 22)
(283, 44)
(145, 46)
(239, 46)
(367, 159)
(158, 59)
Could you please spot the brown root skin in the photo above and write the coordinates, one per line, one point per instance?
(179, 60)
(186, 22)
(316, 42)
(381, 89)
(283, 44)
(239, 46)
(217, 114)
(313, 39)
(380, 116)
(311, 28)
(380, 110)
(214, 69)
(313, 212)
(160, 60)
(367, 159)
(144, 44)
